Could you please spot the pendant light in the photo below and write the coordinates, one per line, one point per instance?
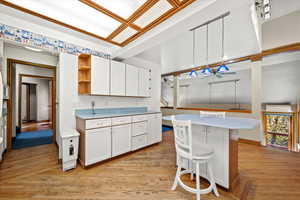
(193, 73)
(206, 71)
(223, 68)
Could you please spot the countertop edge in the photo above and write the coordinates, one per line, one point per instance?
(117, 115)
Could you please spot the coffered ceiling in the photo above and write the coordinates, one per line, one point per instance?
(116, 21)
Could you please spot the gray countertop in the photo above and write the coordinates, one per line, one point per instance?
(227, 122)
(86, 116)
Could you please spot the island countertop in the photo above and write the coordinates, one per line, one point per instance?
(227, 122)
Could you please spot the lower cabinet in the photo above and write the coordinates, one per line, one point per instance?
(139, 141)
(154, 128)
(97, 145)
(121, 139)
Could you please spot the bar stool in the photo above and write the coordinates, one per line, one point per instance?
(200, 154)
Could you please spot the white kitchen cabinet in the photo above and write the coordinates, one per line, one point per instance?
(132, 80)
(154, 128)
(97, 145)
(100, 76)
(121, 139)
(117, 78)
(144, 85)
(215, 41)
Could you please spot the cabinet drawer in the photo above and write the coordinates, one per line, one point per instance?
(139, 118)
(97, 123)
(139, 128)
(138, 142)
(121, 120)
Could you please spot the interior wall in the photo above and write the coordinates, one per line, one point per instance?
(42, 93)
(281, 31)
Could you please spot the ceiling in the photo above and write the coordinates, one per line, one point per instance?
(118, 22)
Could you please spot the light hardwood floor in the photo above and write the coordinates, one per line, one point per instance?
(33, 173)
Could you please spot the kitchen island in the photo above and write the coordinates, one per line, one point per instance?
(222, 135)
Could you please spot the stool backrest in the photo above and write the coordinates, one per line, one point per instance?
(212, 114)
(183, 137)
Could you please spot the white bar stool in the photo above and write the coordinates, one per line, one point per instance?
(196, 155)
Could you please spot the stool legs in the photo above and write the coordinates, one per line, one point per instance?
(191, 168)
(198, 181)
(212, 179)
(177, 175)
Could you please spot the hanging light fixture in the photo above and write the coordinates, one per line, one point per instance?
(223, 68)
(193, 73)
(206, 71)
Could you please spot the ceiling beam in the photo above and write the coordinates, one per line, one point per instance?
(140, 11)
(174, 3)
(25, 10)
(109, 13)
(159, 20)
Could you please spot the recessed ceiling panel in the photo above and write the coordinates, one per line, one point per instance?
(124, 35)
(123, 8)
(153, 13)
(74, 13)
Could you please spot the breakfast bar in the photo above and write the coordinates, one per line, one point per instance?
(222, 135)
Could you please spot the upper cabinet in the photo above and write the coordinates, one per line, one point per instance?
(144, 78)
(200, 46)
(117, 78)
(132, 80)
(100, 76)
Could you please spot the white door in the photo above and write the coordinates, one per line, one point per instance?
(97, 145)
(144, 77)
(100, 76)
(154, 128)
(121, 139)
(117, 78)
(132, 80)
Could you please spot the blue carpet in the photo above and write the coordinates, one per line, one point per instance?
(166, 128)
(33, 138)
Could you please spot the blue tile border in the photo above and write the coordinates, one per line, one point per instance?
(109, 111)
(37, 40)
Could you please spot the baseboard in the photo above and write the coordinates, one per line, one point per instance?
(246, 141)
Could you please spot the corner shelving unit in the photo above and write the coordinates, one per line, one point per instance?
(84, 74)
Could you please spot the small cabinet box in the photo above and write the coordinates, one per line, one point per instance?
(97, 123)
(139, 118)
(138, 142)
(139, 128)
(70, 142)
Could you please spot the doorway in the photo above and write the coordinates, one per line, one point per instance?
(32, 104)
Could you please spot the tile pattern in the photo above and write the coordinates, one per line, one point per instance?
(37, 40)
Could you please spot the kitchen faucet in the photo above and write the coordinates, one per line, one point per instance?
(93, 107)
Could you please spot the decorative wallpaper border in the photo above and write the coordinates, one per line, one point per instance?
(37, 40)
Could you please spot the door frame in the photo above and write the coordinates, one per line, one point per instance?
(20, 94)
(10, 102)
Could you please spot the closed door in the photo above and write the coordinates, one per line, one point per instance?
(117, 78)
(97, 145)
(144, 82)
(132, 80)
(121, 139)
(100, 76)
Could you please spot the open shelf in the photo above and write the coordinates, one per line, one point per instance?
(84, 74)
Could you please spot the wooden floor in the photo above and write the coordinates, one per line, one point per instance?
(33, 173)
(35, 126)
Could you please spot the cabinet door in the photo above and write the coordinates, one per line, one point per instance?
(132, 80)
(117, 78)
(200, 46)
(144, 82)
(97, 145)
(154, 129)
(121, 139)
(100, 76)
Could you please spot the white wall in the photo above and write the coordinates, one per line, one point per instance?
(281, 31)
(42, 93)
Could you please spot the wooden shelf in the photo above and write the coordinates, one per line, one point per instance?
(84, 68)
(84, 74)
